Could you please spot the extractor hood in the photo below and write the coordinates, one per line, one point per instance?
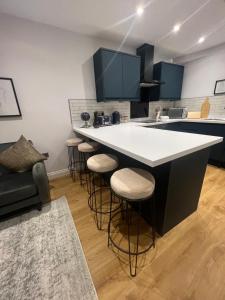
(146, 52)
(150, 83)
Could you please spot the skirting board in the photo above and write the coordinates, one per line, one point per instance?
(59, 173)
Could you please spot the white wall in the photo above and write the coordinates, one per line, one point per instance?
(201, 74)
(48, 66)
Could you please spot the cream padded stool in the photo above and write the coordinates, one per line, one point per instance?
(85, 150)
(100, 165)
(133, 186)
(72, 145)
(74, 141)
(133, 183)
(88, 147)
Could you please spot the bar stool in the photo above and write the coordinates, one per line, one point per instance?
(85, 150)
(72, 146)
(133, 186)
(100, 166)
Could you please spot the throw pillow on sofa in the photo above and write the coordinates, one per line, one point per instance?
(21, 156)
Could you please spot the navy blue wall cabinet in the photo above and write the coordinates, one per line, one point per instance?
(172, 76)
(131, 76)
(117, 75)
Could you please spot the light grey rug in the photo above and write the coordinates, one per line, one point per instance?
(41, 257)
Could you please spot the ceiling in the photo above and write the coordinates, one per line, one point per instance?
(117, 20)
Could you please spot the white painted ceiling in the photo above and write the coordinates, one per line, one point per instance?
(116, 19)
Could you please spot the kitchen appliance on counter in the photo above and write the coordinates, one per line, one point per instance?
(107, 120)
(85, 117)
(115, 117)
(177, 113)
(100, 119)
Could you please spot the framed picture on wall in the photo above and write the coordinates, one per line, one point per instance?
(9, 105)
(219, 87)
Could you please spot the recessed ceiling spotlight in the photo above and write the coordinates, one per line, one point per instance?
(176, 28)
(201, 39)
(140, 11)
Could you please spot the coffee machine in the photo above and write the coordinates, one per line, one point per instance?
(98, 119)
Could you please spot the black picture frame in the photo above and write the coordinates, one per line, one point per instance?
(19, 114)
(216, 87)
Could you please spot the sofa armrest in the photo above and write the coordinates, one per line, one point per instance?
(41, 180)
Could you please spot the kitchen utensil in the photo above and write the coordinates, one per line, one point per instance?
(205, 108)
(164, 118)
(194, 115)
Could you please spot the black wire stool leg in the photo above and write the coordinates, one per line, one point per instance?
(138, 233)
(100, 209)
(128, 233)
(132, 219)
(80, 167)
(84, 177)
(153, 220)
(133, 271)
(110, 216)
(95, 202)
(73, 164)
(90, 200)
(70, 159)
(86, 173)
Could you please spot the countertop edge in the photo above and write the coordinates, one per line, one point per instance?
(141, 158)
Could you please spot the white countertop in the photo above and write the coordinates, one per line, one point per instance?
(150, 146)
(141, 121)
(211, 121)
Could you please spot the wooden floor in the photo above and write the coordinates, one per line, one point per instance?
(187, 263)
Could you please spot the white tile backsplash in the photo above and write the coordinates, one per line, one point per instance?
(162, 104)
(217, 105)
(77, 106)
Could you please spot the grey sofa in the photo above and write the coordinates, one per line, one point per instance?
(22, 190)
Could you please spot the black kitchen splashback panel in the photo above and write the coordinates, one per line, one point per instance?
(139, 109)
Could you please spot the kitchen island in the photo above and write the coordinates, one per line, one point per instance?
(206, 127)
(177, 160)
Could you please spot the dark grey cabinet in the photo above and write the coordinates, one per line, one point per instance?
(171, 76)
(217, 152)
(117, 75)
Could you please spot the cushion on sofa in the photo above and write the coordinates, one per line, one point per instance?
(4, 146)
(15, 187)
(21, 156)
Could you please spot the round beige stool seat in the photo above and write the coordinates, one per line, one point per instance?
(133, 183)
(102, 163)
(88, 147)
(73, 142)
